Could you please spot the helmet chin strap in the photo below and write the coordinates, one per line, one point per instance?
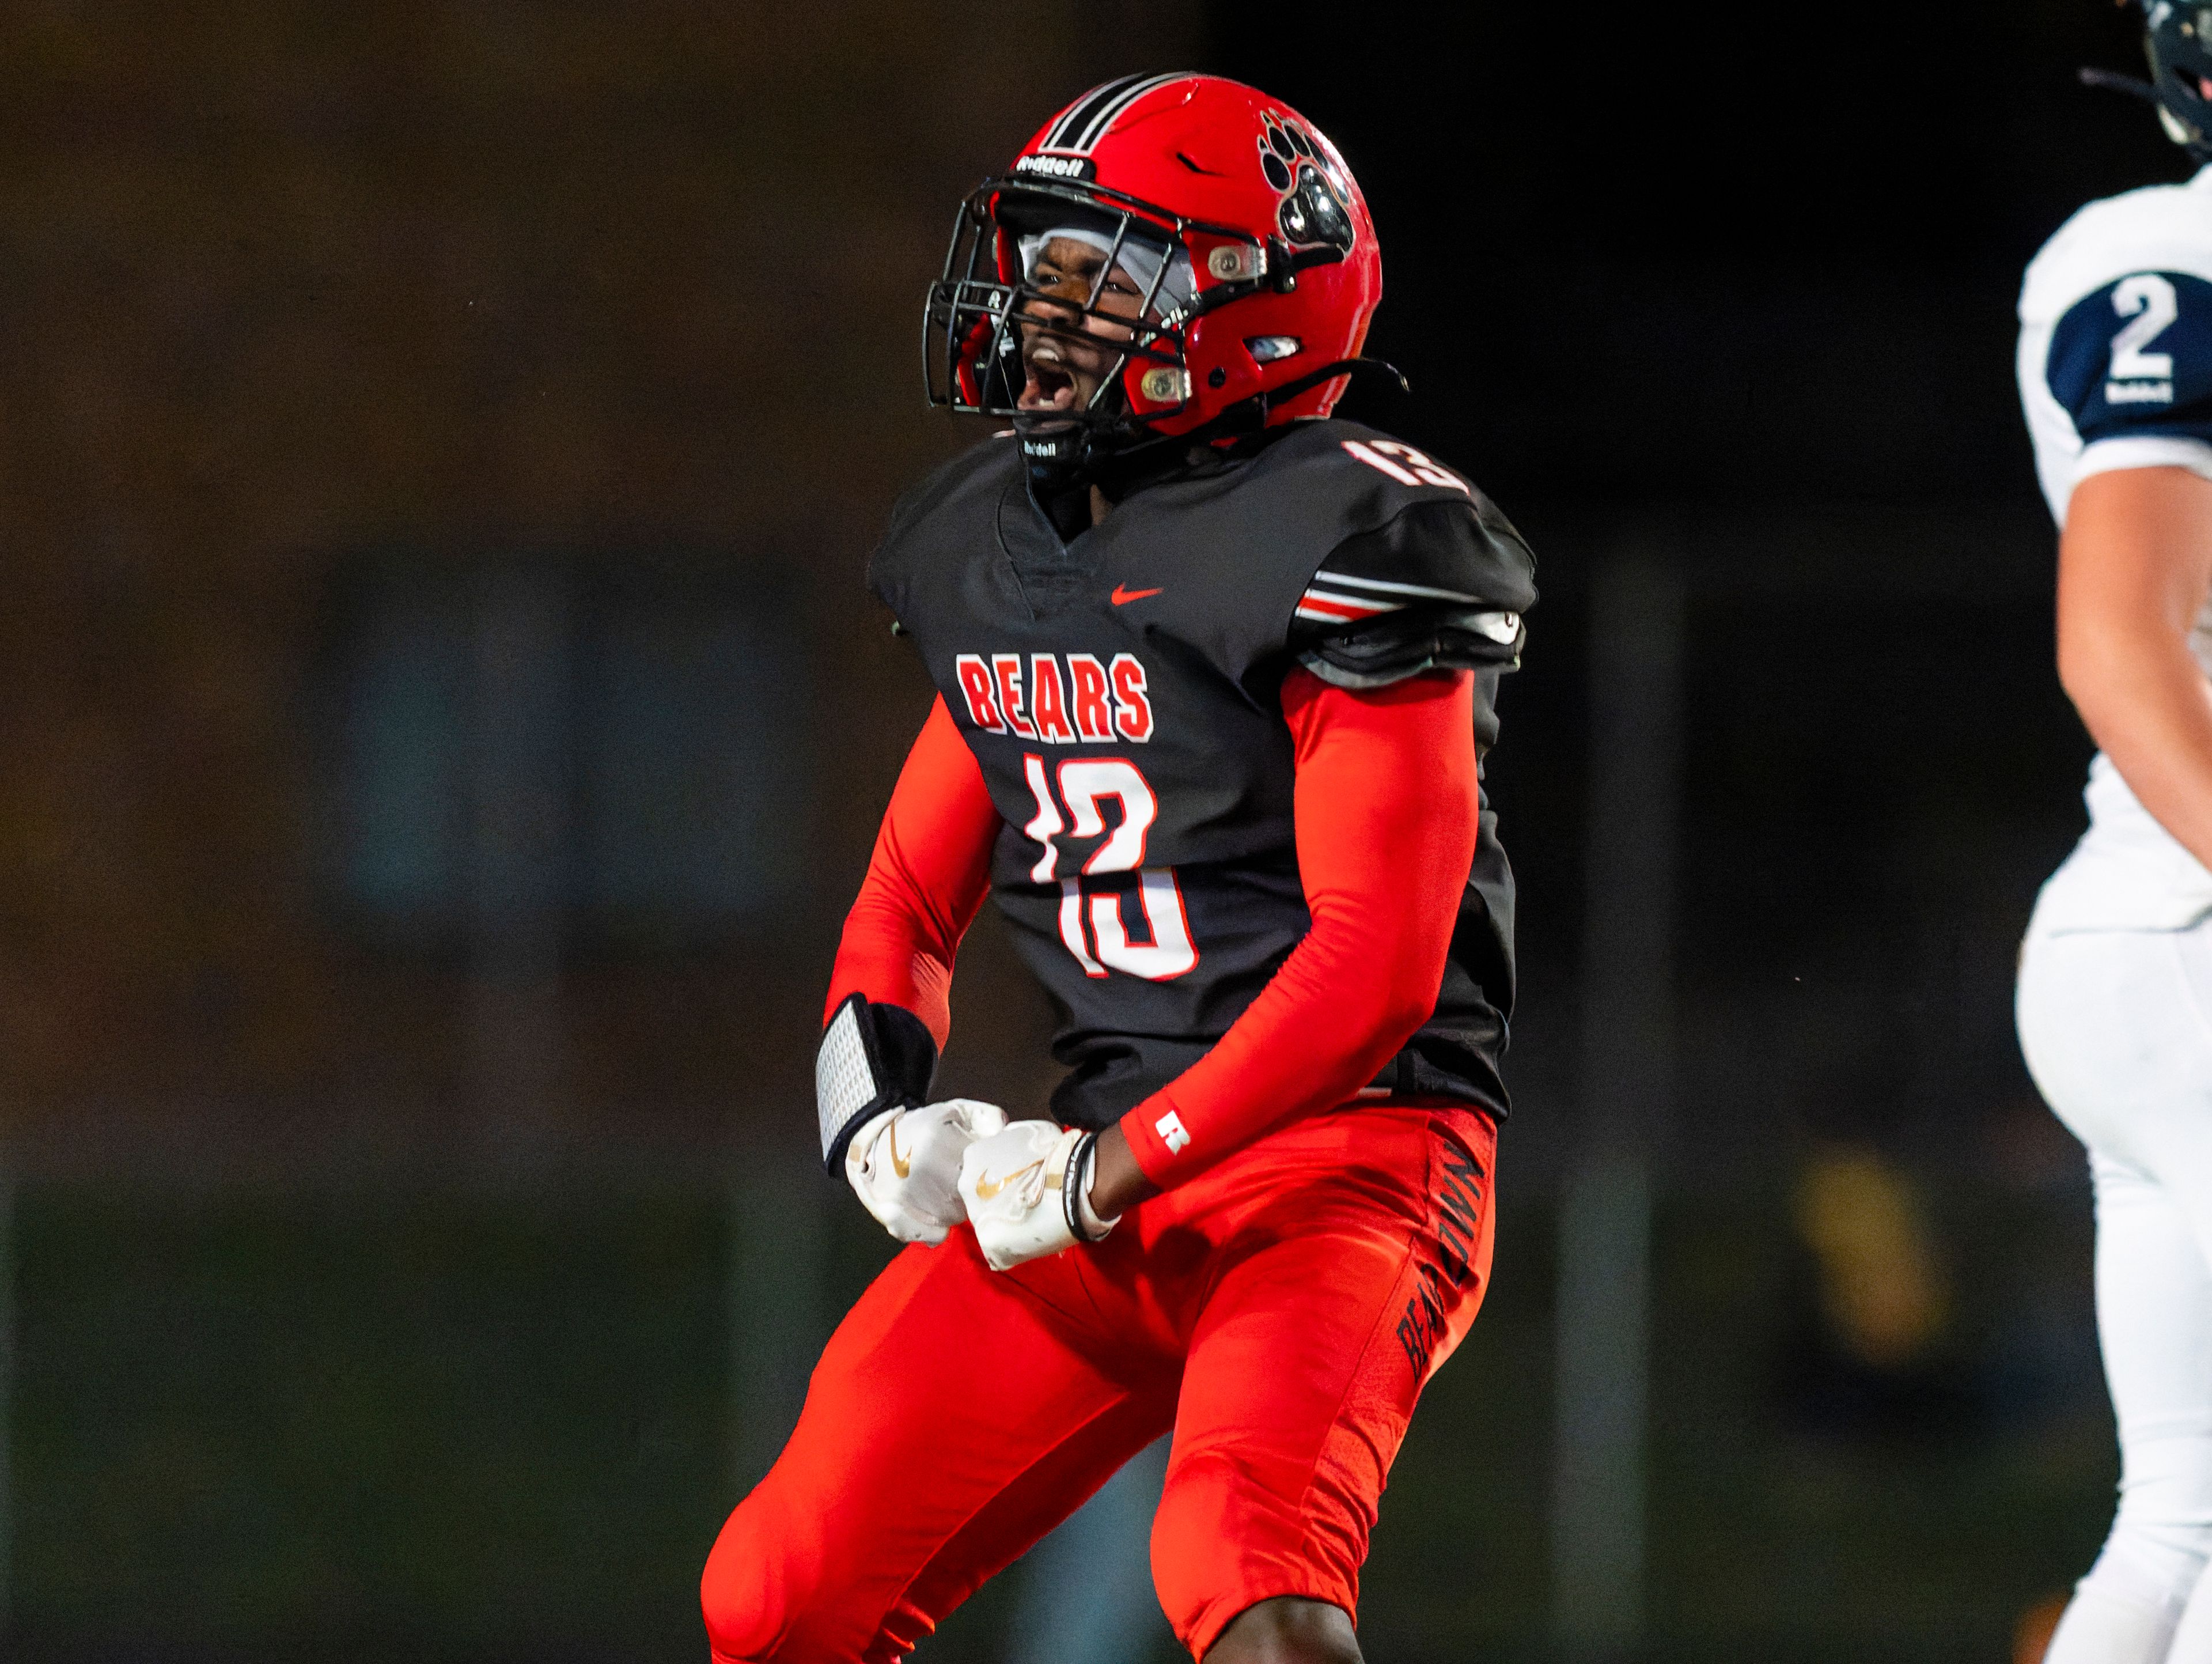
(1066, 457)
(1313, 379)
(1056, 454)
(2186, 131)
(1249, 415)
(1064, 461)
(2135, 87)
(2111, 81)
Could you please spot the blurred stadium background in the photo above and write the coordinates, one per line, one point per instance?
(441, 726)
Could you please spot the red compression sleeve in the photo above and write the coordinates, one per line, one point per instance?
(925, 882)
(1387, 806)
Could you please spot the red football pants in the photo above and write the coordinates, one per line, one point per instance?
(1280, 1311)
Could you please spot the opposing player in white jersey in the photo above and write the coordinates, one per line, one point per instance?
(2115, 999)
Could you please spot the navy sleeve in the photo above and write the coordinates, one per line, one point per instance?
(2134, 359)
(1442, 586)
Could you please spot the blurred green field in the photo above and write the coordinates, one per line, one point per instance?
(480, 1424)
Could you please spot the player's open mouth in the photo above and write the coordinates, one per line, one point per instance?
(1054, 377)
(1052, 384)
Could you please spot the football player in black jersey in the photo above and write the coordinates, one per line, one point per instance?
(1216, 673)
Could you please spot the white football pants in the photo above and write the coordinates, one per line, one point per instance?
(2115, 1027)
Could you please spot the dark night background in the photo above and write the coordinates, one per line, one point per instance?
(442, 726)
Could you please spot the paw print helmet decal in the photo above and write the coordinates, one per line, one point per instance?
(1315, 209)
(1234, 216)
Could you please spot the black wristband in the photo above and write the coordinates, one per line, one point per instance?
(1071, 1187)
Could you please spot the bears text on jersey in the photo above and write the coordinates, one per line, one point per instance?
(1086, 702)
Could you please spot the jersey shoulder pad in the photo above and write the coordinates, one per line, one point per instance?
(2115, 315)
(1364, 477)
(2134, 357)
(954, 496)
(1441, 585)
(2158, 228)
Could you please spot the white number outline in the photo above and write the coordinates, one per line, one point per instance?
(2149, 301)
(1419, 470)
(1046, 824)
(1083, 784)
(1171, 953)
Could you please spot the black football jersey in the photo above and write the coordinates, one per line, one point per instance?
(1120, 691)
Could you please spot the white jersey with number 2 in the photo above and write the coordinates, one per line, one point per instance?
(2116, 372)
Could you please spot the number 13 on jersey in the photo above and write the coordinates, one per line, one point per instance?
(1091, 922)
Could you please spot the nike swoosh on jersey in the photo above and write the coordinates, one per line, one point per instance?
(1123, 597)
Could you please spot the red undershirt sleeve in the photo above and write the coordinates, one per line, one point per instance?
(1387, 809)
(925, 882)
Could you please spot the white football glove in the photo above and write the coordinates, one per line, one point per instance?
(904, 1165)
(1028, 1192)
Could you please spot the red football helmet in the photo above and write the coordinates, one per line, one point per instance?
(1237, 219)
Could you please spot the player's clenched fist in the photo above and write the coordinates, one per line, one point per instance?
(905, 1164)
(1028, 1192)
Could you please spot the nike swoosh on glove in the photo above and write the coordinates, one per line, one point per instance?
(1028, 1192)
(904, 1165)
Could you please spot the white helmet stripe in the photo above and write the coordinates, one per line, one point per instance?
(1077, 114)
(1106, 117)
(1090, 116)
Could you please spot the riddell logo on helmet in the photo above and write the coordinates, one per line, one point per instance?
(1077, 167)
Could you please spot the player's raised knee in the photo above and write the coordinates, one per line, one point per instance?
(761, 1593)
(737, 1596)
(1224, 1557)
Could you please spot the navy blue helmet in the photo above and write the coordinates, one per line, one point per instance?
(2178, 38)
